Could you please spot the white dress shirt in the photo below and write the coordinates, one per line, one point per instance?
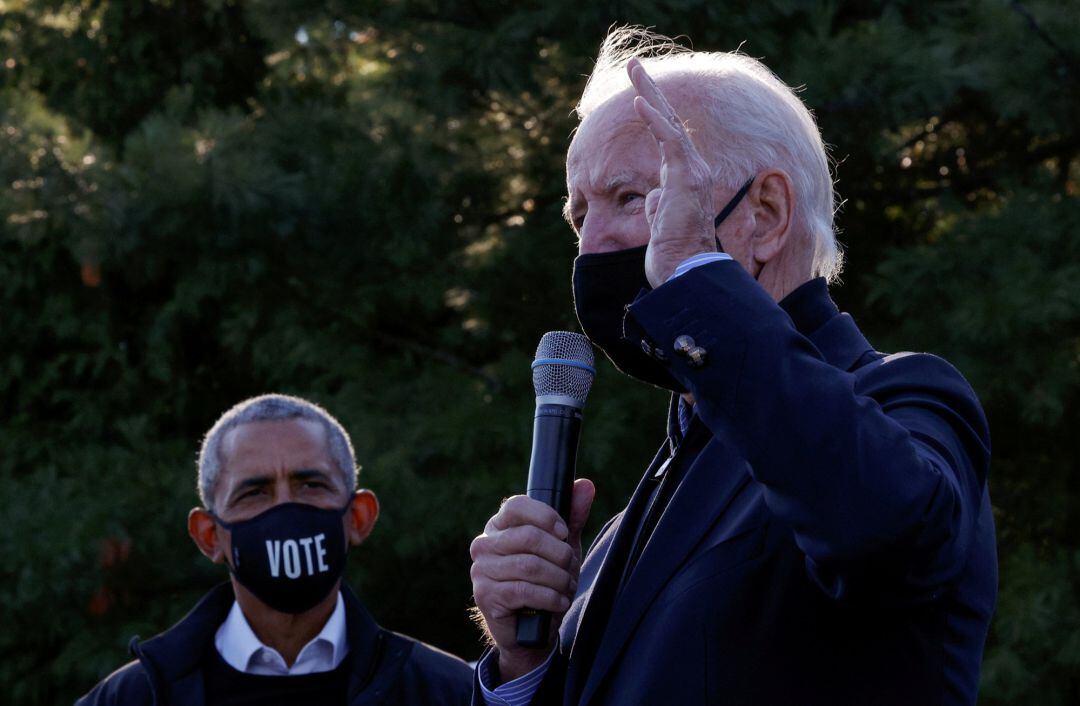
(241, 649)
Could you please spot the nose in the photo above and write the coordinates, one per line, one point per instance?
(600, 234)
(283, 491)
(609, 228)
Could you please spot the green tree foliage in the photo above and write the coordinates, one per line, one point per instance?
(359, 203)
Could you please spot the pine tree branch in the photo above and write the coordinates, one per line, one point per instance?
(1065, 57)
(423, 349)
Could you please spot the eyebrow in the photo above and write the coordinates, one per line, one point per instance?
(302, 474)
(622, 179)
(309, 474)
(613, 184)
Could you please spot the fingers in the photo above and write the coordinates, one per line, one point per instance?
(523, 510)
(528, 568)
(502, 599)
(677, 151)
(581, 501)
(652, 203)
(665, 130)
(524, 539)
(648, 90)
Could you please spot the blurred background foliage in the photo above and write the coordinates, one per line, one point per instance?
(359, 202)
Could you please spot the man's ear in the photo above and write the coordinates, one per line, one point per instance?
(206, 535)
(361, 517)
(772, 199)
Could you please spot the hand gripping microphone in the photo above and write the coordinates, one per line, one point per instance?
(562, 375)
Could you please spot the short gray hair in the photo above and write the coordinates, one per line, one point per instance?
(759, 123)
(266, 408)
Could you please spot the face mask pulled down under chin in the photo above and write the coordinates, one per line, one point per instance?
(604, 285)
(290, 556)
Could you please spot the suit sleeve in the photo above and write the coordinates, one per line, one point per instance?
(883, 467)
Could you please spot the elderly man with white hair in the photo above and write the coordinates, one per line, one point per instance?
(816, 528)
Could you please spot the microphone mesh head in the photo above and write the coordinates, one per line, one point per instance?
(564, 366)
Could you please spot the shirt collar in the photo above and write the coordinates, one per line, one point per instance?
(333, 632)
(237, 643)
(835, 335)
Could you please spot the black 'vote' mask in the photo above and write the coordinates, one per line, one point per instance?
(289, 556)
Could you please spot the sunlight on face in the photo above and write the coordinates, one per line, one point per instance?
(612, 164)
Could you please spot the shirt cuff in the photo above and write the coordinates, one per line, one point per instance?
(693, 261)
(518, 692)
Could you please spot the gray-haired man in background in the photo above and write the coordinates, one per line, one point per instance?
(277, 478)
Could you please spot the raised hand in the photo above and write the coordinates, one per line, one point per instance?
(681, 212)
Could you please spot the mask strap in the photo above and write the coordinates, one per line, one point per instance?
(729, 208)
(230, 525)
(226, 525)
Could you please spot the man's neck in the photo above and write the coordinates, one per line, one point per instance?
(285, 632)
(789, 271)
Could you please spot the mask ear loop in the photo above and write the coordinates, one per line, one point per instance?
(224, 525)
(348, 505)
(230, 525)
(726, 211)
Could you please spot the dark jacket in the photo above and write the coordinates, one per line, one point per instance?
(386, 668)
(830, 539)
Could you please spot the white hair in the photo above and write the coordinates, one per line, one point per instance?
(271, 408)
(757, 122)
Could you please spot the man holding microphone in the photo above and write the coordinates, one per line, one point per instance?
(816, 528)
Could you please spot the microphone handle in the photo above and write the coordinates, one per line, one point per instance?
(556, 429)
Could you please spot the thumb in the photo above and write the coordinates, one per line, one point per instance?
(652, 202)
(580, 502)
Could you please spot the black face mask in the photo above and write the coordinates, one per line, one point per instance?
(290, 556)
(605, 284)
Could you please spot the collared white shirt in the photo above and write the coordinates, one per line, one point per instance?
(241, 649)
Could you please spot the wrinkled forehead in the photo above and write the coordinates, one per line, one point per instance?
(613, 132)
(259, 445)
(610, 139)
(613, 118)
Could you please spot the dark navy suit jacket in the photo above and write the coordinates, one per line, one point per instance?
(830, 540)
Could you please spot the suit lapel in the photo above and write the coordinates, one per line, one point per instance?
(699, 501)
(698, 504)
(601, 593)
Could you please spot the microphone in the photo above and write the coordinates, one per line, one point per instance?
(562, 374)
